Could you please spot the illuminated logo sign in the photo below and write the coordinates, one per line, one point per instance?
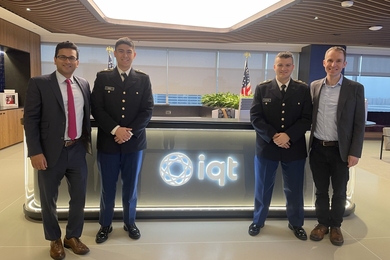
(176, 169)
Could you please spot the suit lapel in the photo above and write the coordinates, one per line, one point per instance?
(56, 90)
(275, 89)
(116, 78)
(132, 79)
(292, 87)
(344, 91)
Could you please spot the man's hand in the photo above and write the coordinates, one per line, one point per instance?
(123, 134)
(282, 140)
(39, 161)
(352, 160)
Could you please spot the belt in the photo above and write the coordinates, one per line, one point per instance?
(68, 143)
(327, 143)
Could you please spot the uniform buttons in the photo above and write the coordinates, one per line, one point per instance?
(282, 111)
(123, 108)
(282, 118)
(123, 116)
(109, 92)
(283, 104)
(123, 101)
(124, 92)
(282, 126)
(299, 103)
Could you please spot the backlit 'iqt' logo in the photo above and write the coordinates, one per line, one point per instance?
(176, 169)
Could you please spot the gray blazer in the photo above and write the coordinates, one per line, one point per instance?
(350, 116)
(44, 117)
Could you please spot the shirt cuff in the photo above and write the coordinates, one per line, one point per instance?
(114, 130)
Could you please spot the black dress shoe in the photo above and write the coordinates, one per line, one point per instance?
(102, 234)
(299, 232)
(133, 231)
(254, 229)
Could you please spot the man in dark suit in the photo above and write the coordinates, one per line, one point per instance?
(122, 104)
(336, 141)
(281, 115)
(54, 150)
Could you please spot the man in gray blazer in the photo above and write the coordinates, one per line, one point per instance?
(57, 152)
(336, 141)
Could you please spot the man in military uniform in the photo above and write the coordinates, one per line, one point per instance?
(122, 105)
(280, 114)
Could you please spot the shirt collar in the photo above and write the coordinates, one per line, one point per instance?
(337, 84)
(121, 71)
(280, 84)
(61, 77)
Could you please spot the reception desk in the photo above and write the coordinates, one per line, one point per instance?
(192, 168)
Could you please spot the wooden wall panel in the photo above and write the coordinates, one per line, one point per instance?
(15, 37)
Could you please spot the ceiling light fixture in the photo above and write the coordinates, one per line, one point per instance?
(347, 3)
(178, 12)
(375, 28)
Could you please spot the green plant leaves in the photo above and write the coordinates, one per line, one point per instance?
(221, 100)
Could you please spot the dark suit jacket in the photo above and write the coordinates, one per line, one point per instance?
(45, 120)
(271, 114)
(350, 116)
(128, 104)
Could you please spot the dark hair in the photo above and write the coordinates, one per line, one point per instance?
(337, 48)
(285, 55)
(124, 40)
(66, 45)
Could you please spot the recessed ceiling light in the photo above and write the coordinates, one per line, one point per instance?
(178, 12)
(28, 9)
(347, 3)
(316, 18)
(375, 28)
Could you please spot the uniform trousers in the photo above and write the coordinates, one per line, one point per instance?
(71, 164)
(129, 167)
(293, 177)
(328, 168)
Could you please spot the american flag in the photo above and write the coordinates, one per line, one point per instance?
(246, 83)
(110, 63)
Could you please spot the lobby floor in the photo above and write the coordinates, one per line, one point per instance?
(366, 232)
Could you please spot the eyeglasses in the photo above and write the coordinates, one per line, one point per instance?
(64, 58)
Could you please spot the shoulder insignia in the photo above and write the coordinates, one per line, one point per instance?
(300, 81)
(266, 81)
(106, 70)
(140, 71)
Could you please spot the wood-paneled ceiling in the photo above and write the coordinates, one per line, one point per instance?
(293, 24)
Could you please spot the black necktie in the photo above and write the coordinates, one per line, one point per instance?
(283, 90)
(124, 75)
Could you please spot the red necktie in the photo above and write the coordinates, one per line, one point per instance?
(72, 131)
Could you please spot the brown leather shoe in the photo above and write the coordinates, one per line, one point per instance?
(57, 251)
(76, 245)
(319, 232)
(336, 237)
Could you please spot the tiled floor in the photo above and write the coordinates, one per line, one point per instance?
(366, 232)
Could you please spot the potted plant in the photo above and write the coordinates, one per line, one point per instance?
(225, 104)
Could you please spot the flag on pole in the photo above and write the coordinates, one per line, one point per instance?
(110, 63)
(246, 83)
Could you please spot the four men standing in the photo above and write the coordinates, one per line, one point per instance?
(122, 104)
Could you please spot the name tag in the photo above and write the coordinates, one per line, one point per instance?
(266, 100)
(109, 88)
